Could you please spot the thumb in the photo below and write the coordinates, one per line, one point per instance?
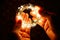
(19, 22)
(18, 25)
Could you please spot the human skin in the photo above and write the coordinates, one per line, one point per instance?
(22, 33)
(45, 23)
(49, 26)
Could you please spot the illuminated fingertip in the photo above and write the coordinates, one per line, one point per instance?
(19, 21)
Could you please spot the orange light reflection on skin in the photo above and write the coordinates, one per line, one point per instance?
(25, 27)
(35, 11)
(18, 17)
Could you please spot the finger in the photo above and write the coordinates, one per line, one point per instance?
(26, 17)
(28, 20)
(33, 13)
(42, 22)
(25, 39)
(24, 34)
(27, 31)
(22, 29)
(46, 26)
(49, 31)
(23, 15)
(18, 24)
(34, 19)
(18, 17)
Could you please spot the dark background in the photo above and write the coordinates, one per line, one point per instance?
(8, 10)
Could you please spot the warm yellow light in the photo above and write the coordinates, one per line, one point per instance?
(18, 16)
(34, 11)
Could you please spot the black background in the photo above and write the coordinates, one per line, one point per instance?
(8, 10)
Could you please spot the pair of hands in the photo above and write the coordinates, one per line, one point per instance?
(44, 22)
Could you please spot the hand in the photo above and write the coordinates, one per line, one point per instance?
(22, 30)
(46, 24)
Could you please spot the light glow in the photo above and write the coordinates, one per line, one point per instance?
(27, 23)
(34, 11)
